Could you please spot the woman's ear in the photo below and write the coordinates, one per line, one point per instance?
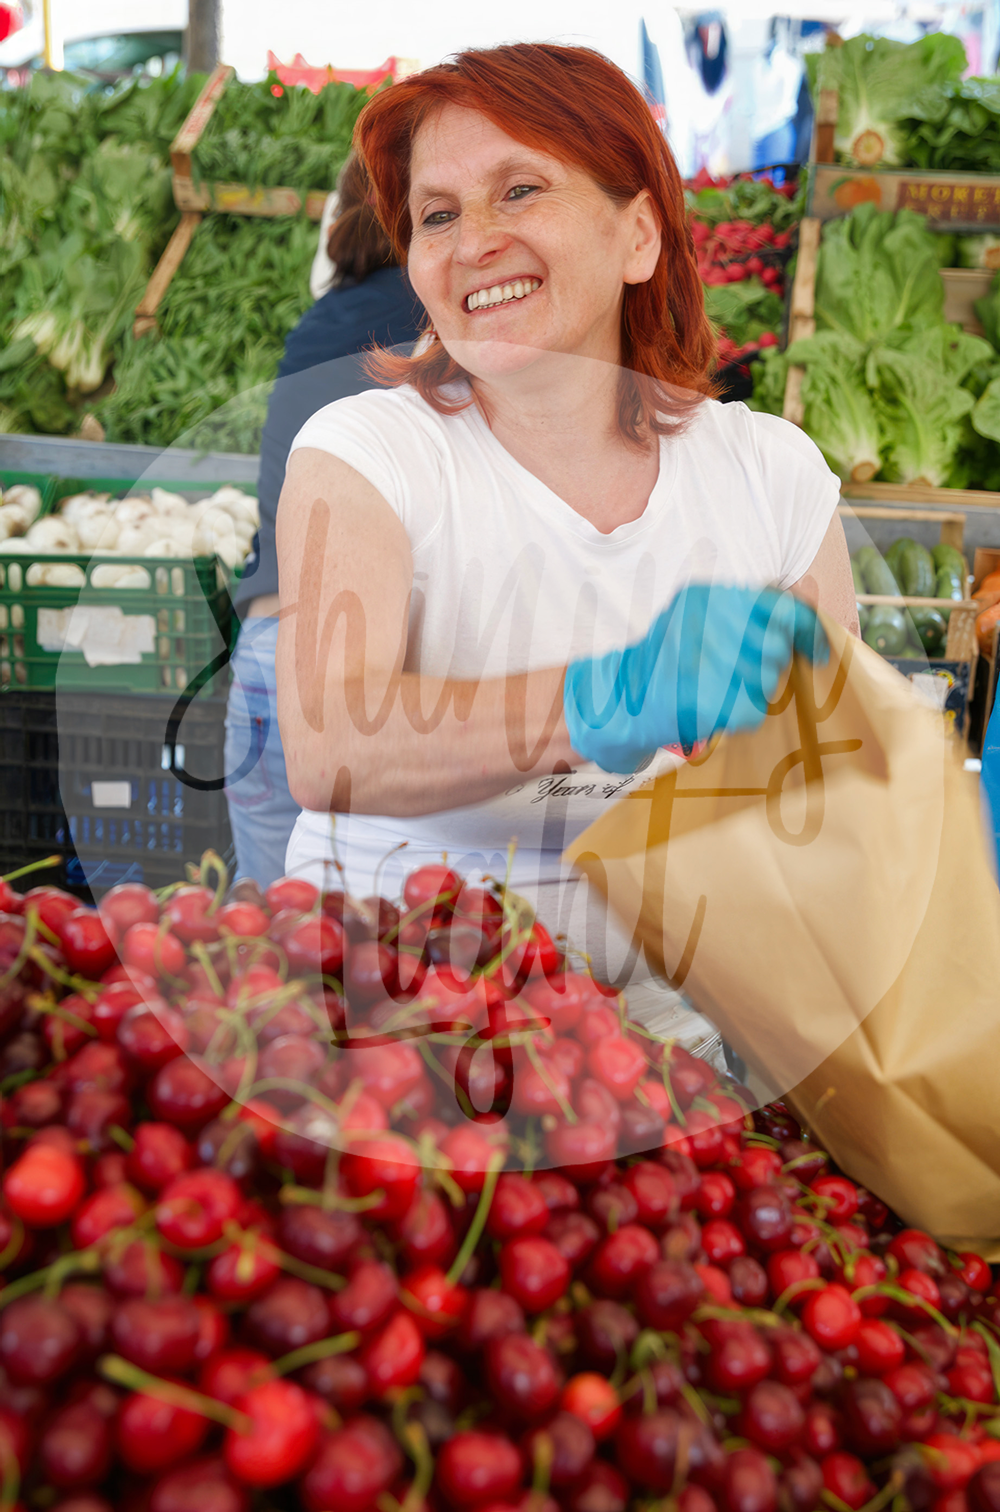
(645, 240)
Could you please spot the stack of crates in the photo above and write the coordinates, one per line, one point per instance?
(118, 769)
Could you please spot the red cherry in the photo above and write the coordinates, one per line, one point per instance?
(880, 1348)
(739, 1358)
(756, 1166)
(923, 1288)
(153, 1434)
(722, 1242)
(750, 1483)
(52, 905)
(592, 1397)
(521, 1375)
(865, 1270)
(488, 1315)
(654, 1192)
(975, 1272)
(86, 943)
(290, 1314)
(114, 1001)
(840, 1197)
(191, 915)
(321, 1239)
(912, 1249)
(243, 1271)
(581, 1149)
(388, 1165)
(229, 1375)
(619, 1065)
(747, 1280)
(716, 1195)
(574, 1235)
(620, 1259)
(152, 949)
(796, 1356)
(44, 1185)
(283, 1434)
(39, 1340)
(436, 1303)
(468, 1153)
(845, 1477)
(765, 1217)
(105, 1211)
(667, 1293)
(160, 1337)
(392, 1357)
(127, 904)
(352, 1467)
(832, 1317)
(533, 1272)
(952, 1461)
(66, 1036)
(367, 1299)
(160, 1153)
(437, 886)
(150, 1040)
(291, 892)
(183, 1093)
(244, 920)
(474, 1468)
(202, 1484)
(75, 1448)
(314, 945)
(791, 1267)
(567, 1445)
(194, 1208)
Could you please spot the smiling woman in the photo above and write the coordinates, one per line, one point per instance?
(543, 560)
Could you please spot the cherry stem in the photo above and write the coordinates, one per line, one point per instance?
(900, 1294)
(79, 985)
(993, 1350)
(539, 1065)
(124, 1373)
(33, 866)
(65, 1014)
(416, 1445)
(85, 1260)
(212, 862)
(308, 1354)
(201, 955)
(541, 1470)
(27, 944)
(479, 1218)
(807, 1283)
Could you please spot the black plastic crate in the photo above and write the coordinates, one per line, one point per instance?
(127, 787)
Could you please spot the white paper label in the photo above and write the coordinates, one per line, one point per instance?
(111, 795)
(106, 636)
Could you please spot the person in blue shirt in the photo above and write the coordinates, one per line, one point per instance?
(371, 303)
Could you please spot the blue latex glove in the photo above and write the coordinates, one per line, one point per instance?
(711, 661)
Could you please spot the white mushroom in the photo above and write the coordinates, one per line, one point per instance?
(13, 521)
(236, 502)
(26, 497)
(135, 510)
(163, 546)
(55, 575)
(171, 504)
(133, 539)
(96, 526)
(71, 507)
(53, 534)
(120, 575)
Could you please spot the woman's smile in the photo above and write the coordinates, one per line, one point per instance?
(489, 296)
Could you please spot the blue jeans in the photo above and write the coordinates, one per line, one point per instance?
(262, 812)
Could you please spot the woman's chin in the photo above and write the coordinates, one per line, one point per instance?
(494, 359)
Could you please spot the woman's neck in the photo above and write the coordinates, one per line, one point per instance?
(560, 422)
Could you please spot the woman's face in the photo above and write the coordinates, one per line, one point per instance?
(515, 253)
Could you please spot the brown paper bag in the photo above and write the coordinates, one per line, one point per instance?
(820, 889)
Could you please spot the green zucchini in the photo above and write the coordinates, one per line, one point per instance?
(886, 630)
(863, 613)
(894, 552)
(859, 580)
(932, 628)
(915, 571)
(950, 556)
(878, 577)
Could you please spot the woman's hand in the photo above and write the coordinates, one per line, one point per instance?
(711, 661)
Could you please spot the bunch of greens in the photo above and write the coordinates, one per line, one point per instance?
(85, 210)
(955, 125)
(745, 311)
(889, 387)
(268, 134)
(223, 322)
(748, 199)
(878, 82)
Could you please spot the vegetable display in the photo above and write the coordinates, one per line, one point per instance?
(269, 134)
(891, 389)
(85, 210)
(640, 1291)
(907, 104)
(909, 570)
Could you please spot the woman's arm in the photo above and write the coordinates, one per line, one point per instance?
(358, 732)
(829, 583)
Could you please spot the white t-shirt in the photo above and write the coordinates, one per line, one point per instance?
(508, 578)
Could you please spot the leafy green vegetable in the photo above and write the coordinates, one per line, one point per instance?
(839, 410)
(878, 274)
(878, 81)
(955, 125)
(744, 310)
(269, 134)
(919, 417)
(977, 251)
(749, 199)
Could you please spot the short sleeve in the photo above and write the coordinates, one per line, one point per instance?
(390, 443)
(802, 492)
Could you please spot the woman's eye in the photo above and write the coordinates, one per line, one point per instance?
(520, 190)
(438, 217)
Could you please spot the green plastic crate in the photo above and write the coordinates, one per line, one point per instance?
(42, 481)
(185, 614)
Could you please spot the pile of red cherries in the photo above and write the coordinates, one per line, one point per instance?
(319, 1203)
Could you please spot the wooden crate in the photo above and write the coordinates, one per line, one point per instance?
(229, 199)
(922, 493)
(952, 532)
(962, 287)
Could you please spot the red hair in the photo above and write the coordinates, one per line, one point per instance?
(575, 105)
